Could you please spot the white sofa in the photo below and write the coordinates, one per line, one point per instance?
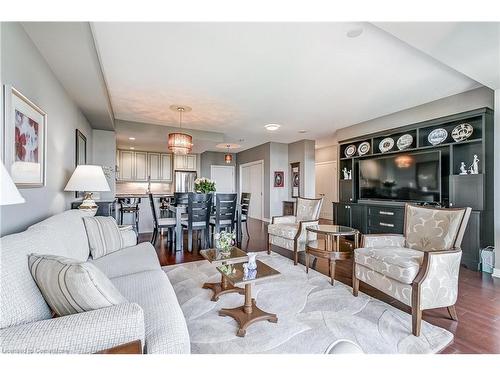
(153, 314)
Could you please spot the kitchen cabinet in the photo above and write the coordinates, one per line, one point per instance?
(141, 166)
(166, 167)
(138, 165)
(126, 165)
(154, 166)
(185, 162)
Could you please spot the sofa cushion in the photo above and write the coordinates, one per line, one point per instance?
(399, 263)
(429, 229)
(139, 258)
(21, 300)
(70, 286)
(69, 228)
(288, 231)
(103, 234)
(166, 329)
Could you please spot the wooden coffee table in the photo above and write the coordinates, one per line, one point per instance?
(249, 313)
(329, 247)
(214, 256)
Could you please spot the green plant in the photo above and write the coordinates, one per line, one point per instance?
(224, 240)
(204, 185)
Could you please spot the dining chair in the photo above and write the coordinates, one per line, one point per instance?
(130, 206)
(198, 217)
(225, 213)
(181, 199)
(245, 207)
(161, 223)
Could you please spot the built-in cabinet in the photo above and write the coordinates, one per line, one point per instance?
(456, 190)
(138, 165)
(185, 162)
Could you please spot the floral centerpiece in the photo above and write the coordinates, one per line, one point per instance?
(204, 185)
(224, 241)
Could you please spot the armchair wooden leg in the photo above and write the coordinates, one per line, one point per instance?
(295, 257)
(268, 244)
(453, 312)
(355, 281)
(416, 321)
(307, 262)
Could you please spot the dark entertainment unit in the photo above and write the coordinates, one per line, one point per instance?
(373, 200)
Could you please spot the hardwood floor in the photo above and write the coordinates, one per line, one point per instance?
(478, 305)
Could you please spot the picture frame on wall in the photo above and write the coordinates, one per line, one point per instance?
(279, 179)
(295, 179)
(24, 139)
(80, 148)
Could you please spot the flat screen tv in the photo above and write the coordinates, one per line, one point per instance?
(413, 177)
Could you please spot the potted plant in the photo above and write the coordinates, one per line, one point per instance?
(204, 185)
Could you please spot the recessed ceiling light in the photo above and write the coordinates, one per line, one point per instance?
(272, 127)
(132, 148)
(354, 33)
(131, 138)
(302, 131)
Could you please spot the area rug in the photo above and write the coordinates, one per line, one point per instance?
(311, 314)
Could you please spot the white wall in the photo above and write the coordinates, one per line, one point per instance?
(104, 154)
(278, 162)
(329, 153)
(23, 67)
(497, 184)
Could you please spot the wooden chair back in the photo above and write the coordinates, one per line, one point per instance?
(245, 204)
(225, 210)
(199, 208)
(181, 199)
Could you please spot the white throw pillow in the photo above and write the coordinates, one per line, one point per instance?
(104, 235)
(70, 286)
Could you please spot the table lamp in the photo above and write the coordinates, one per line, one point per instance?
(8, 193)
(87, 178)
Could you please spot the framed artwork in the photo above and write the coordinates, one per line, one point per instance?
(279, 179)
(25, 130)
(295, 179)
(80, 149)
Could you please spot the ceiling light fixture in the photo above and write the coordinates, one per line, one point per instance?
(131, 138)
(354, 33)
(132, 148)
(228, 158)
(272, 127)
(180, 143)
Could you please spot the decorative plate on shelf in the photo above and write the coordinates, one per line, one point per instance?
(386, 144)
(437, 136)
(363, 148)
(350, 151)
(404, 141)
(462, 132)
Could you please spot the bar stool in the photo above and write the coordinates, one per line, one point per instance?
(130, 206)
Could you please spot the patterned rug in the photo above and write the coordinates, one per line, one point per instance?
(311, 314)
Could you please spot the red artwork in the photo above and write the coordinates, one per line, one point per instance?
(26, 138)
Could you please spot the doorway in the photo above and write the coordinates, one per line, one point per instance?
(223, 175)
(326, 187)
(252, 181)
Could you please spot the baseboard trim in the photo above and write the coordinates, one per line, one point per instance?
(496, 272)
(266, 220)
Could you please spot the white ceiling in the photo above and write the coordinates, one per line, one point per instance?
(240, 76)
(472, 48)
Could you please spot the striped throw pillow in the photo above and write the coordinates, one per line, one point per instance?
(104, 235)
(70, 286)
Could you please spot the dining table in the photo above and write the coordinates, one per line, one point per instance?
(179, 210)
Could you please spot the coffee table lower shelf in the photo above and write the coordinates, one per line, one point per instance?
(221, 288)
(248, 314)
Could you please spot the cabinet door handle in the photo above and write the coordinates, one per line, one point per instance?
(389, 213)
(386, 225)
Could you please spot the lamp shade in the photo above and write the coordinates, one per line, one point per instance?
(8, 193)
(87, 178)
(180, 143)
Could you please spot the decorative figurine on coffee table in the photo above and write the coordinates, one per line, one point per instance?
(463, 169)
(474, 167)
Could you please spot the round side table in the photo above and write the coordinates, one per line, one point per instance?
(331, 245)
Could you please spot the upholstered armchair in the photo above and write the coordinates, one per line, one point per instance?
(289, 232)
(419, 268)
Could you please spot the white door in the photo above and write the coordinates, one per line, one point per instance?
(252, 181)
(326, 187)
(224, 178)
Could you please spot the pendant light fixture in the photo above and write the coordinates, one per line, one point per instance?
(180, 143)
(228, 158)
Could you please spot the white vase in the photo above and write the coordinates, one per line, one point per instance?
(252, 264)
